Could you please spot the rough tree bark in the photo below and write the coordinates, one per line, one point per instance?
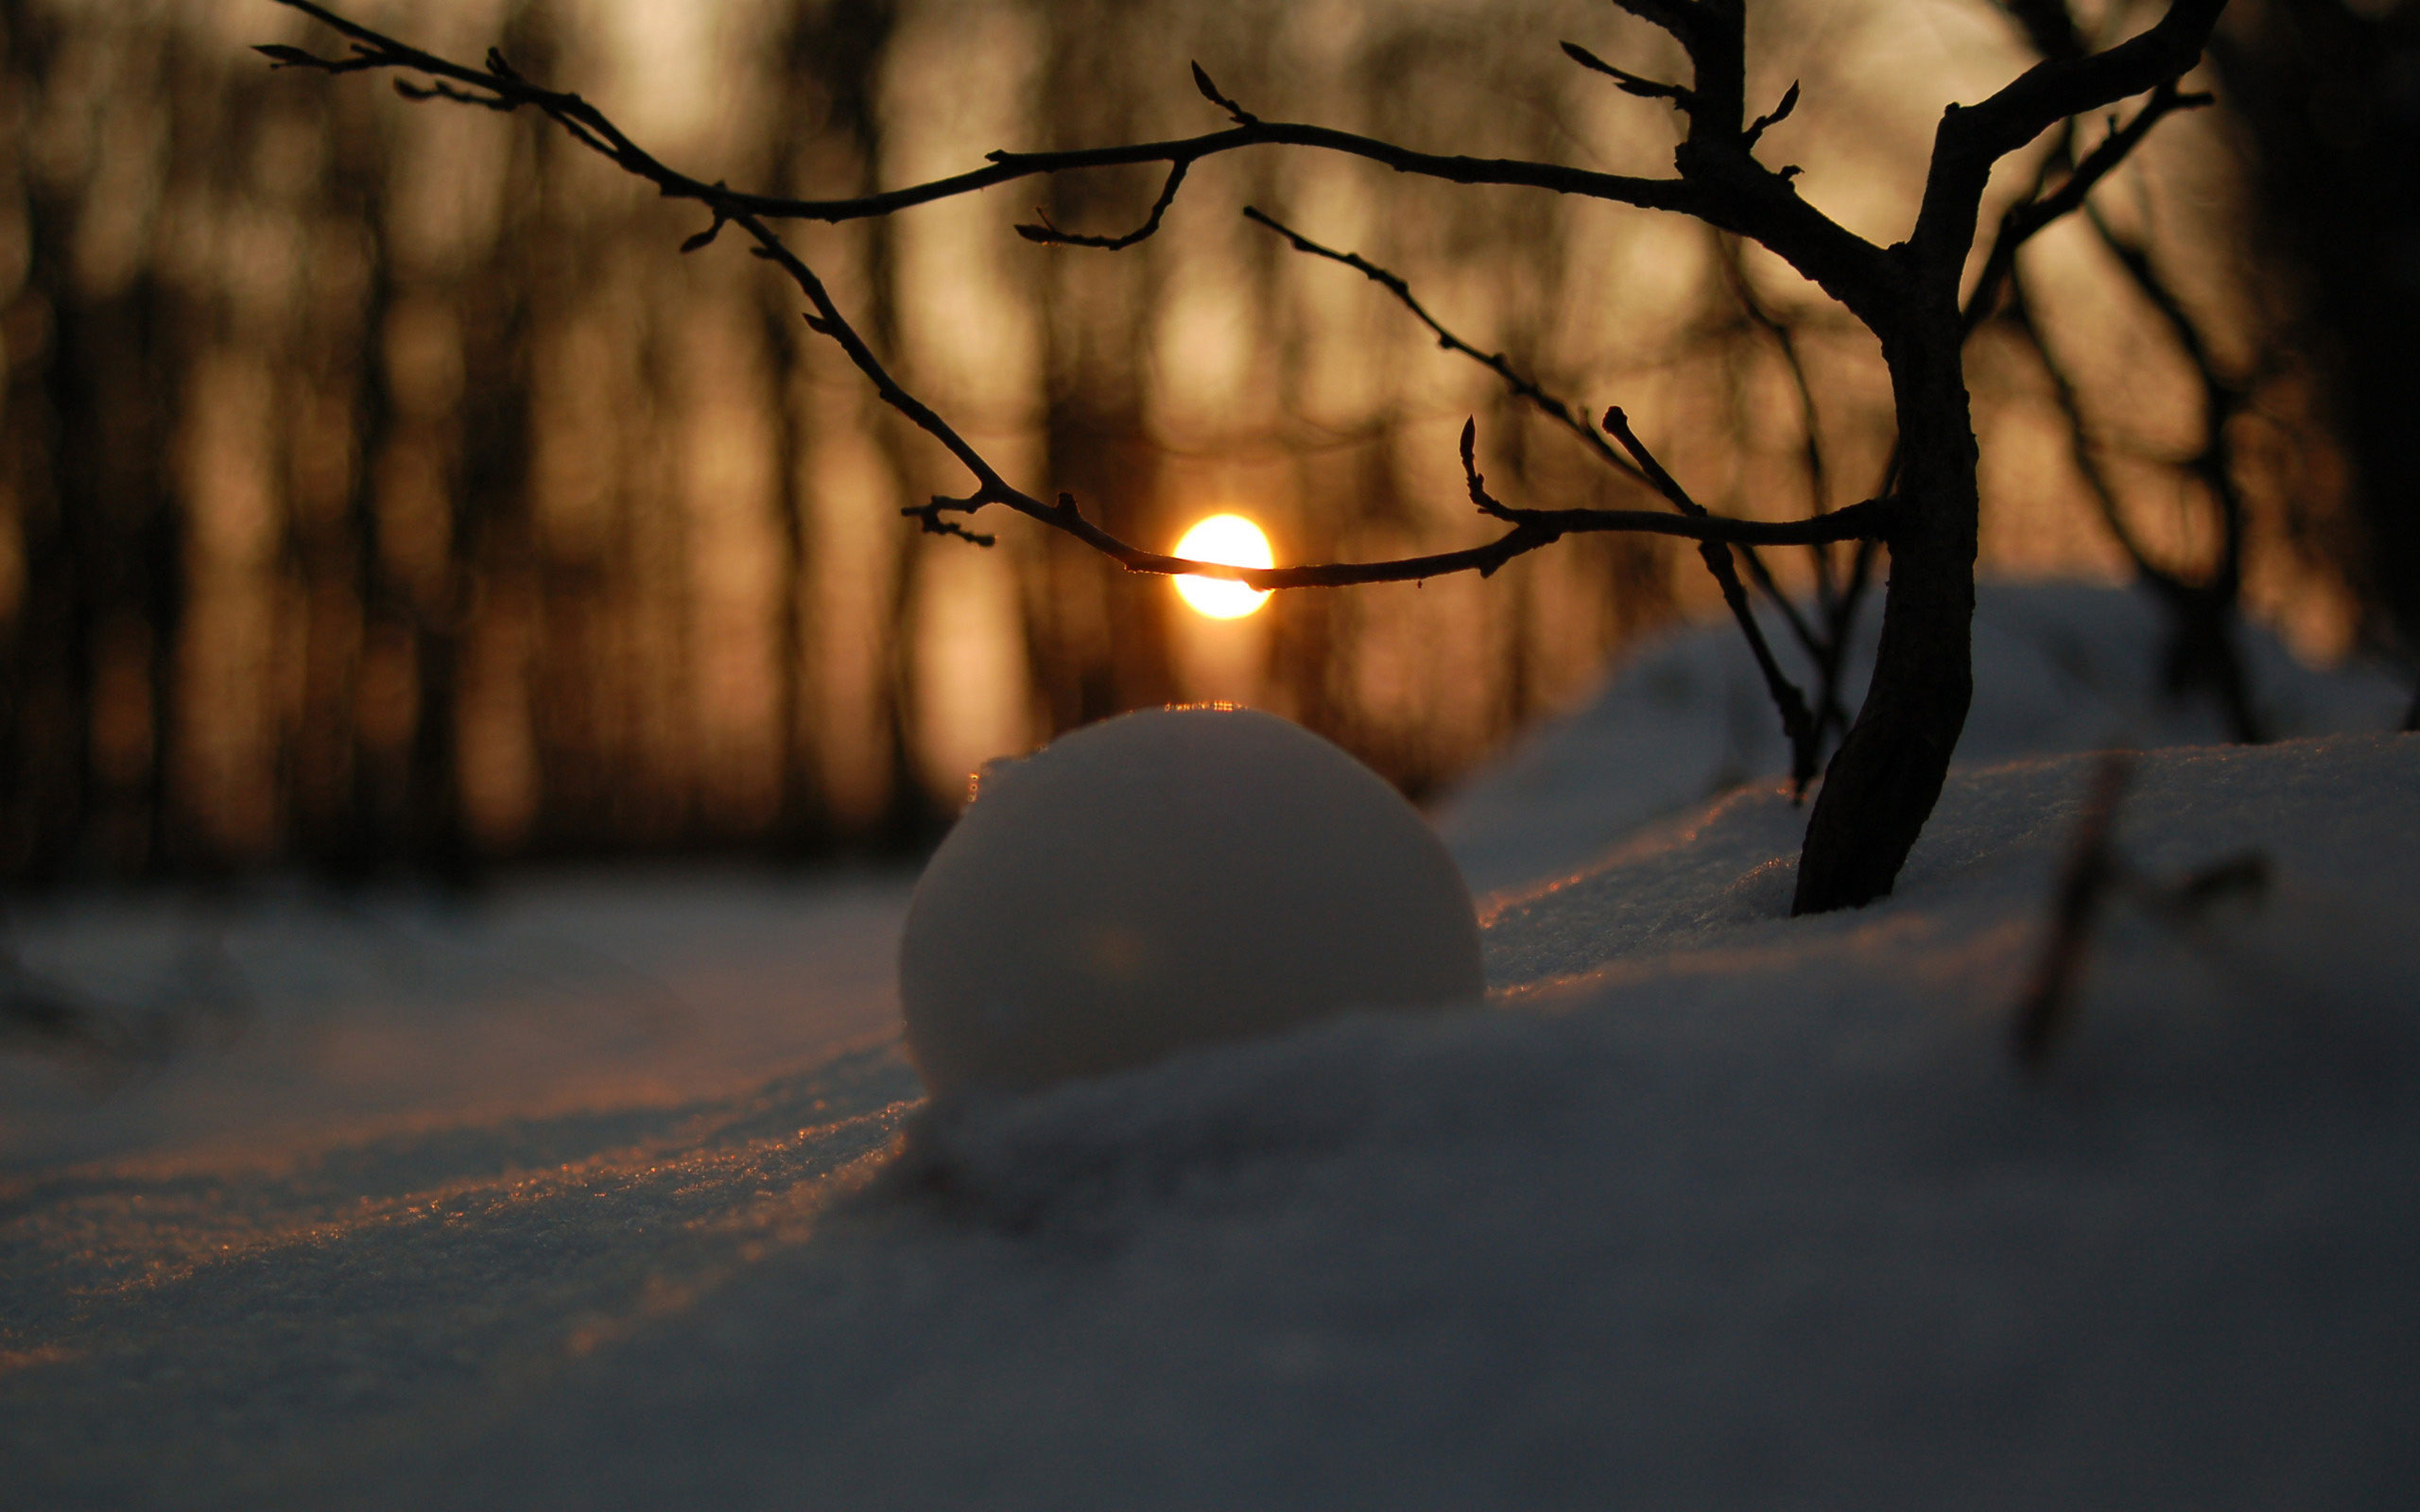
(1883, 780)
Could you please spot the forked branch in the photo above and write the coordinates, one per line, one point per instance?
(1883, 783)
(1800, 728)
(500, 87)
(1740, 196)
(1972, 139)
(2027, 220)
(497, 87)
(1524, 388)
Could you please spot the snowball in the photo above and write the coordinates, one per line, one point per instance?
(1170, 878)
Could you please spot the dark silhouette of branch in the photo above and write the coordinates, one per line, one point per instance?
(2023, 221)
(1049, 235)
(1495, 362)
(1826, 644)
(1735, 278)
(1971, 139)
(1210, 92)
(1778, 114)
(1796, 723)
(1888, 771)
(506, 90)
(1532, 529)
(1646, 89)
(2202, 612)
(1798, 726)
(1742, 197)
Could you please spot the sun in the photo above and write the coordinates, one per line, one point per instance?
(1233, 539)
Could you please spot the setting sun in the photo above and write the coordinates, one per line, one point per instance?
(1233, 539)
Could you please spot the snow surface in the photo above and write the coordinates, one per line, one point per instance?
(1706, 1208)
(2059, 667)
(1166, 879)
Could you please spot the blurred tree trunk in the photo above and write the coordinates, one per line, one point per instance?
(2331, 94)
(88, 702)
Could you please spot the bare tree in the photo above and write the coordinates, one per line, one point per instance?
(1883, 780)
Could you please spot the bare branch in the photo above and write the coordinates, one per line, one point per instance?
(1735, 273)
(1617, 424)
(2023, 221)
(1824, 640)
(1478, 485)
(1780, 113)
(1796, 723)
(1494, 362)
(1722, 185)
(1972, 138)
(380, 51)
(1630, 83)
(280, 56)
(1049, 235)
(1530, 529)
(929, 517)
(1210, 92)
(417, 92)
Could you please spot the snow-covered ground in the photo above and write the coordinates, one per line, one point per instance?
(619, 1193)
(2059, 667)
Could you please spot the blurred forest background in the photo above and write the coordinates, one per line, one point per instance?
(380, 489)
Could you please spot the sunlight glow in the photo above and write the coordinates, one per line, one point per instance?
(1233, 539)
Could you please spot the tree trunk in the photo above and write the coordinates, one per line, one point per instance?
(1883, 781)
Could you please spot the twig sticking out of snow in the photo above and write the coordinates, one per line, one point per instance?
(2093, 871)
(2091, 868)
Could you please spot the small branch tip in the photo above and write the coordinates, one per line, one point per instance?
(1210, 92)
(1628, 82)
(1780, 113)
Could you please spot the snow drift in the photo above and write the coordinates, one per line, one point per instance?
(1707, 1208)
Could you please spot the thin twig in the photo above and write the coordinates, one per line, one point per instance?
(1796, 723)
(1743, 196)
(1532, 529)
(2026, 220)
(1495, 362)
(1779, 113)
(1800, 728)
(1646, 89)
(2091, 868)
(1049, 235)
(1825, 647)
(375, 50)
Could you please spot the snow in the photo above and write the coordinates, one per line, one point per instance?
(1170, 878)
(327, 1018)
(1705, 1208)
(2059, 667)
